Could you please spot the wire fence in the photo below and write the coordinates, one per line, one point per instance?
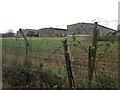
(50, 53)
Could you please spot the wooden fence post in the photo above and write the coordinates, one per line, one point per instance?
(89, 67)
(92, 55)
(27, 63)
(68, 65)
(94, 43)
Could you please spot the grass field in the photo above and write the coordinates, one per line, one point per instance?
(48, 53)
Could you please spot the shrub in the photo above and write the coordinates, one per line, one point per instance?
(26, 77)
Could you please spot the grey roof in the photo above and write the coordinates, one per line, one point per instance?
(54, 29)
(30, 29)
(92, 24)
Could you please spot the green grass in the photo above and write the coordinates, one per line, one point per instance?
(43, 47)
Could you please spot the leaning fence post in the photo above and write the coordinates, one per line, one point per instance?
(27, 63)
(92, 55)
(68, 65)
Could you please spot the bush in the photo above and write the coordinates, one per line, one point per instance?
(25, 77)
(108, 37)
(102, 38)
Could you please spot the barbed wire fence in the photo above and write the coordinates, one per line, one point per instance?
(82, 61)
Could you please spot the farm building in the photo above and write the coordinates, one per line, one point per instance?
(7, 35)
(43, 32)
(52, 32)
(79, 29)
(28, 32)
(87, 29)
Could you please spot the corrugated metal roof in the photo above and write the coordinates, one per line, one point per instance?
(91, 24)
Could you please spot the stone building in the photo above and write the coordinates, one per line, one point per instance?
(28, 32)
(87, 29)
(52, 32)
(79, 29)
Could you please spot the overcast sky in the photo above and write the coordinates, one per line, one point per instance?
(36, 14)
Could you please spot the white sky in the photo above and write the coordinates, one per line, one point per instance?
(36, 14)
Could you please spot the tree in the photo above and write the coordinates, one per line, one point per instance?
(10, 31)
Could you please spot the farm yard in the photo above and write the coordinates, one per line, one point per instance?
(60, 44)
(47, 65)
(90, 61)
